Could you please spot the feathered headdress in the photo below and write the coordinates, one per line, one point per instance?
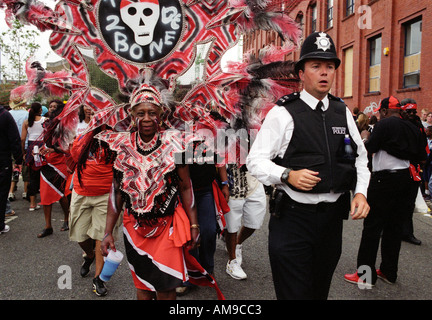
(42, 81)
(237, 99)
(151, 88)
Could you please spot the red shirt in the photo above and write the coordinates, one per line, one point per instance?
(96, 177)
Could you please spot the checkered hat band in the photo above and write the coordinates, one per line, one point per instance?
(146, 96)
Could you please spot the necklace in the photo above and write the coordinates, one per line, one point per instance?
(148, 147)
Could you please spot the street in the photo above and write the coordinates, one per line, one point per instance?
(48, 268)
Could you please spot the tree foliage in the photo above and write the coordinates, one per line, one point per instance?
(5, 89)
(17, 45)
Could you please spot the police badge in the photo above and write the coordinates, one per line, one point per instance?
(323, 42)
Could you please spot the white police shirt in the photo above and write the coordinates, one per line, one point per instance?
(273, 139)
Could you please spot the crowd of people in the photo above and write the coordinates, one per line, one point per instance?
(82, 180)
(320, 158)
(422, 170)
(398, 144)
(329, 167)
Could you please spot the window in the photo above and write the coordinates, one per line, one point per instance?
(375, 64)
(299, 19)
(329, 13)
(348, 72)
(413, 35)
(313, 18)
(349, 7)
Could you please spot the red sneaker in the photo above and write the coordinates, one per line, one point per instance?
(354, 278)
(383, 277)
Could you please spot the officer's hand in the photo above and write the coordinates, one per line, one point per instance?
(303, 179)
(359, 207)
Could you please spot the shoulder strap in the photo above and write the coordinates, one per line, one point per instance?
(288, 98)
(332, 97)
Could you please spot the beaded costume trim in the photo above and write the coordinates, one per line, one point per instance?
(144, 175)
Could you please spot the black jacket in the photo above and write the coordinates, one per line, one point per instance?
(398, 137)
(10, 140)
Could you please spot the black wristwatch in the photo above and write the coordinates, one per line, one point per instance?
(285, 175)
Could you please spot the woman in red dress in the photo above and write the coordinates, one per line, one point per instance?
(160, 218)
(54, 175)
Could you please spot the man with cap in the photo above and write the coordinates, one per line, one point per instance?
(409, 112)
(394, 143)
(300, 149)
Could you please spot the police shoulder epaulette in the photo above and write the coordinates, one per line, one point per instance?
(288, 98)
(332, 97)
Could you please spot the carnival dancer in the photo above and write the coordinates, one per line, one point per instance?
(158, 228)
(211, 194)
(211, 201)
(54, 176)
(92, 180)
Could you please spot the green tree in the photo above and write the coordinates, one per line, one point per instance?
(5, 89)
(101, 80)
(17, 45)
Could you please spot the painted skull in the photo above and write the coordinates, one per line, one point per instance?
(141, 16)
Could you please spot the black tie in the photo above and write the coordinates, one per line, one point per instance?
(319, 108)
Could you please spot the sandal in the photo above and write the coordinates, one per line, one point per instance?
(12, 213)
(45, 232)
(65, 226)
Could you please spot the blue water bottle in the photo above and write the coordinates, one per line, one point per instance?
(349, 152)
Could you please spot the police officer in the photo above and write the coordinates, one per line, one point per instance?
(301, 150)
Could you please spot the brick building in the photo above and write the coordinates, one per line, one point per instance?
(385, 46)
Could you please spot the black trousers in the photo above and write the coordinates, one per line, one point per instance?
(389, 200)
(305, 245)
(5, 182)
(408, 227)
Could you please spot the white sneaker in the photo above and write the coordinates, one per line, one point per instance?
(238, 253)
(6, 229)
(234, 269)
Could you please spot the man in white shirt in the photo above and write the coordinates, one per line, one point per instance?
(300, 150)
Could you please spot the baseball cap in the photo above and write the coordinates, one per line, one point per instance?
(389, 103)
(409, 106)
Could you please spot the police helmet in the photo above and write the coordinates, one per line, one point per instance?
(318, 45)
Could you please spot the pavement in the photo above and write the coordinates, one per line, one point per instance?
(48, 268)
